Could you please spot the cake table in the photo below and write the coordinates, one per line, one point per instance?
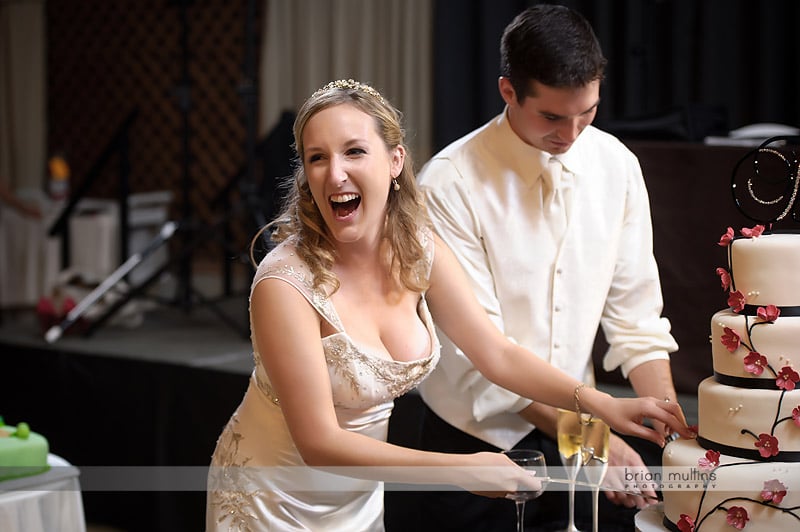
(45, 502)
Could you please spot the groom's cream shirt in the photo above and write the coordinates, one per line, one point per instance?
(484, 193)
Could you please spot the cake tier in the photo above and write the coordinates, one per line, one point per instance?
(777, 341)
(724, 412)
(22, 456)
(736, 482)
(765, 268)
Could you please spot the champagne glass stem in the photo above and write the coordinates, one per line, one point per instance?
(595, 435)
(520, 515)
(570, 440)
(571, 524)
(572, 464)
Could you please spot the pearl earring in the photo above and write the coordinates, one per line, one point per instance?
(395, 184)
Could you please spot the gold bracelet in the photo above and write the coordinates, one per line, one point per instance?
(576, 395)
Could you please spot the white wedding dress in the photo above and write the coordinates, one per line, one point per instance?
(257, 481)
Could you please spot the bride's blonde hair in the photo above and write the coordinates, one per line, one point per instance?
(405, 217)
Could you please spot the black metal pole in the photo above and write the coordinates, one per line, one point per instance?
(249, 92)
(124, 194)
(184, 295)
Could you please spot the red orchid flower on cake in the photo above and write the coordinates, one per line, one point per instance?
(736, 301)
(787, 378)
(753, 232)
(730, 339)
(796, 415)
(767, 445)
(774, 491)
(709, 461)
(724, 278)
(727, 238)
(769, 313)
(686, 523)
(737, 517)
(755, 363)
(749, 232)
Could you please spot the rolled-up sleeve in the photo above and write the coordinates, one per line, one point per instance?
(632, 321)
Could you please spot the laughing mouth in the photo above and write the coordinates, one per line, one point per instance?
(344, 204)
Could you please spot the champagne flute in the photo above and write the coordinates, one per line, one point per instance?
(534, 461)
(569, 448)
(594, 449)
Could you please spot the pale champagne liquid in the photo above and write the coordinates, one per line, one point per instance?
(569, 444)
(595, 450)
(595, 436)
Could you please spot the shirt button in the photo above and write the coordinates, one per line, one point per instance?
(559, 271)
(557, 308)
(556, 345)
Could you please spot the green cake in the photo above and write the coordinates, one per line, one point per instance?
(22, 452)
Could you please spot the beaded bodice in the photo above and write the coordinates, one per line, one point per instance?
(360, 379)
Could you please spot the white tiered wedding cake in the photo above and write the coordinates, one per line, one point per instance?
(743, 470)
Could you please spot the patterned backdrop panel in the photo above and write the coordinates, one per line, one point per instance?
(181, 64)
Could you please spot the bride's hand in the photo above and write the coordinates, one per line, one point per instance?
(627, 415)
(496, 475)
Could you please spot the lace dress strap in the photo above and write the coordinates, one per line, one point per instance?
(284, 263)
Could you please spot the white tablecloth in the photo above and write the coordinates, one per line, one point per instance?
(29, 259)
(50, 502)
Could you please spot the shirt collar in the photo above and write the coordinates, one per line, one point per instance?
(518, 150)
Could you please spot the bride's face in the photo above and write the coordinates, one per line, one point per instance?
(349, 170)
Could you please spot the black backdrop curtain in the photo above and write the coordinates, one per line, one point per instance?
(721, 63)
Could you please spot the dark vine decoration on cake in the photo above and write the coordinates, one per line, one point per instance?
(774, 490)
(772, 495)
(768, 192)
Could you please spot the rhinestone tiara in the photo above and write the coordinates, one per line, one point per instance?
(349, 84)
